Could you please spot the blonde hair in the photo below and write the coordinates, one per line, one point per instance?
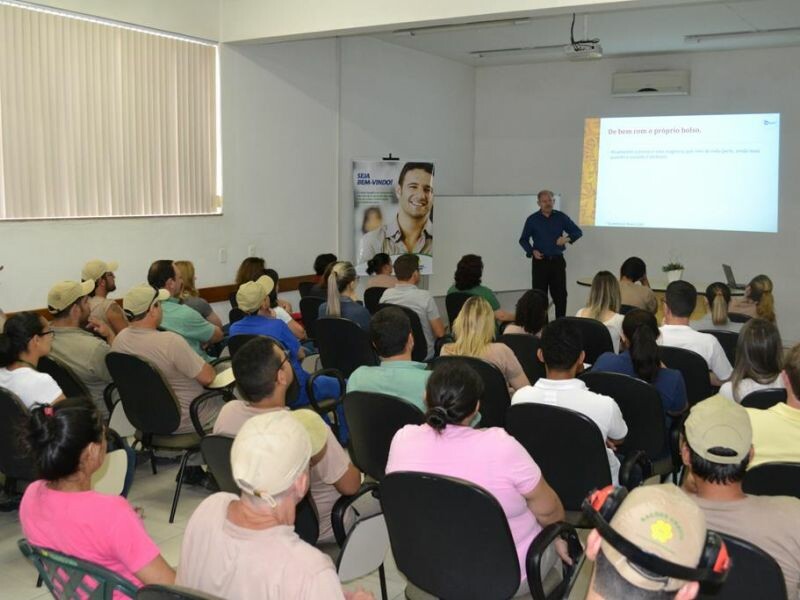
(473, 328)
(186, 269)
(604, 295)
(718, 295)
(341, 275)
(761, 294)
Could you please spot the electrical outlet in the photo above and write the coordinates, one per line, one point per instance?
(223, 255)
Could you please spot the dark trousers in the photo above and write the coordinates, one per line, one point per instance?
(550, 274)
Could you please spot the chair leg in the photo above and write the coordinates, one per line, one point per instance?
(39, 582)
(178, 486)
(382, 578)
(153, 462)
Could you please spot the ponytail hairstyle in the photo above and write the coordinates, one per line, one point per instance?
(57, 434)
(718, 296)
(761, 294)
(641, 330)
(759, 354)
(18, 331)
(341, 275)
(473, 328)
(604, 295)
(452, 394)
(378, 262)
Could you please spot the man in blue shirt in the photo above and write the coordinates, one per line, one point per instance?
(544, 237)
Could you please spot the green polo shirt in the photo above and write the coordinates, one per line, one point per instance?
(479, 290)
(187, 323)
(405, 379)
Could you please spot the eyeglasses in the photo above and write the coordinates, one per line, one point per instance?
(50, 332)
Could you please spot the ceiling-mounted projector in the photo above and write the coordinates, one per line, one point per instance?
(584, 50)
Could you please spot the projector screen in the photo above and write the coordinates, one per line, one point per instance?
(694, 172)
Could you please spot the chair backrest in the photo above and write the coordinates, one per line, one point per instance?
(596, 338)
(373, 420)
(773, 479)
(235, 314)
(753, 574)
(764, 399)
(728, 341)
(524, 347)
(454, 302)
(304, 287)
(146, 397)
(641, 408)
(449, 537)
(495, 401)
(309, 309)
(237, 341)
(738, 317)
(171, 592)
(568, 447)
(15, 461)
(70, 577)
(420, 351)
(216, 451)
(694, 369)
(343, 345)
(372, 298)
(624, 309)
(65, 377)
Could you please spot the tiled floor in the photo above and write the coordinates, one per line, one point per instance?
(154, 494)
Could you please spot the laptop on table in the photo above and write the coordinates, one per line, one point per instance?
(731, 279)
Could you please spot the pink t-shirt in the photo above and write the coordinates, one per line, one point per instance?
(489, 458)
(95, 527)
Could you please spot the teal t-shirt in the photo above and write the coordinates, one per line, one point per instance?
(479, 290)
(187, 323)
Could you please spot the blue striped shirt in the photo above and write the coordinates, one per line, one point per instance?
(544, 231)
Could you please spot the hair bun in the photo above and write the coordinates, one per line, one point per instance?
(437, 418)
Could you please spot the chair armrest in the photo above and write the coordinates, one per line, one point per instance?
(437, 345)
(533, 560)
(107, 397)
(197, 403)
(340, 508)
(312, 398)
(626, 471)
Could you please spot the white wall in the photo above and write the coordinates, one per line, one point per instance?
(528, 135)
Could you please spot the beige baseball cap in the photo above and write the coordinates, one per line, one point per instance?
(140, 298)
(64, 293)
(94, 269)
(719, 423)
(661, 520)
(315, 427)
(269, 453)
(251, 295)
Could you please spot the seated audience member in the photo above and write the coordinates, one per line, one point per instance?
(561, 353)
(253, 300)
(759, 359)
(25, 339)
(468, 275)
(531, 314)
(640, 359)
(245, 546)
(777, 429)
(341, 300)
(322, 266)
(103, 308)
(632, 272)
(474, 333)
(84, 353)
(60, 511)
(716, 448)
(182, 368)
(489, 458)
(397, 375)
(191, 297)
(604, 304)
(178, 317)
(757, 301)
(406, 293)
(251, 269)
(280, 312)
(681, 297)
(645, 510)
(718, 295)
(263, 376)
(380, 268)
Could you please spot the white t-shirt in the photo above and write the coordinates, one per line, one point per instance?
(30, 386)
(574, 395)
(614, 326)
(750, 385)
(705, 344)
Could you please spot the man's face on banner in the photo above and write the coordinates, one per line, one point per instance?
(416, 195)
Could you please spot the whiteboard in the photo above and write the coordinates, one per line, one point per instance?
(489, 226)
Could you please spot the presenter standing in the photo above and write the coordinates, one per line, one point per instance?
(544, 237)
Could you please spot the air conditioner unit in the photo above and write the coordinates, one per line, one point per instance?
(650, 83)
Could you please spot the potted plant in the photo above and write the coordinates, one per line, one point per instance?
(674, 271)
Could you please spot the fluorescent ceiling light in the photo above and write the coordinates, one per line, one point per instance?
(556, 51)
(788, 34)
(412, 31)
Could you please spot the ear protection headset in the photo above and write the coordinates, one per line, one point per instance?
(601, 505)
